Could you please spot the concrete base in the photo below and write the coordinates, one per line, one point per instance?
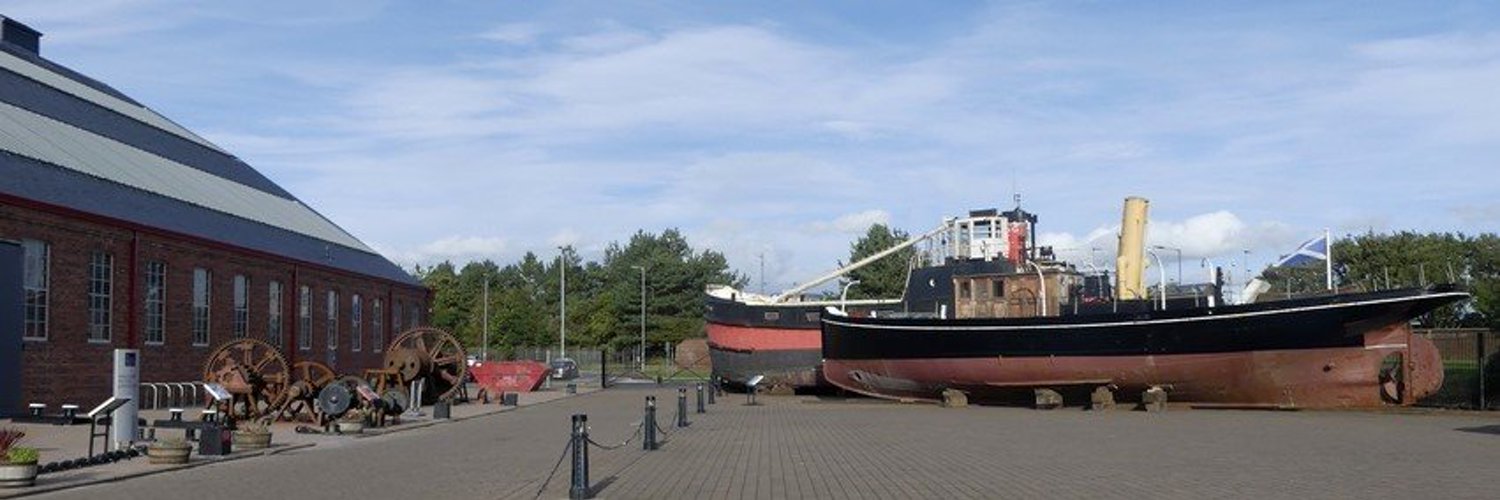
(955, 399)
(1102, 399)
(1154, 399)
(1048, 399)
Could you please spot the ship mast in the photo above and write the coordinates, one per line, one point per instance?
(861, 263)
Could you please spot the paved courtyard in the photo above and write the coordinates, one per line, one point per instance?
(807, 447)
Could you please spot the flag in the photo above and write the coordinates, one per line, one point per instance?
(1311, 251)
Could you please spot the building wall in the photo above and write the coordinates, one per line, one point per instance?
(69, 368)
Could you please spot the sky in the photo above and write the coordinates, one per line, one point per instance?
(777, 131)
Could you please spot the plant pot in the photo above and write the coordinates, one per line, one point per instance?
(251, 440)
(351, 427)
(168, 455)
(17, 476)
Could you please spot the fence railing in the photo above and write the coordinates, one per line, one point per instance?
(1471, 368)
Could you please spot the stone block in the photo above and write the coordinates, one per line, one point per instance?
(1048, 399)
(1154, 399)
(1102, 399)
(953, 398)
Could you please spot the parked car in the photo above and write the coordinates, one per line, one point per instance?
(564, 369)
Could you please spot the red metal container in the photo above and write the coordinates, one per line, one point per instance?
(499, 377)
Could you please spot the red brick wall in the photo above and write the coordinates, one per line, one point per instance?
(67, 368)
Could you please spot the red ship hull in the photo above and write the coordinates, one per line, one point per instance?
(1328, 353)
(788, 357)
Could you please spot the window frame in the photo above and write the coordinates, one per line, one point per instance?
(377, 325)
(203, 303)
(36, 300)
(275, 313)
(240, 306)
(356, 316)
(155, 309)
(100, 297)
(332, 326)
(304, 318)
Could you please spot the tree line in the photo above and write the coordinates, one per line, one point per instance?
(1382, 261)
(603, 297)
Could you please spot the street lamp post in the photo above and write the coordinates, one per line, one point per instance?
(562, 303)
(642, 269)
(1041, 285)
(484, 348)
(1179, 259)
(1162, 271)
(844, 296)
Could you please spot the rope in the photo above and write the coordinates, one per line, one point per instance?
(559, 463)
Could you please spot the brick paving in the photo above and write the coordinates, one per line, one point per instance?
(806, 447)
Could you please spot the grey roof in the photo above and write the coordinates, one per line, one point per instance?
(74, 142)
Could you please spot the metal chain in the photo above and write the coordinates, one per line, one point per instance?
(622, 443)
(554, 468)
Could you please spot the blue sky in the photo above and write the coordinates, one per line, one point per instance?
(460, 130)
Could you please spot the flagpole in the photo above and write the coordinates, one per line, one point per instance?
(1328, 258)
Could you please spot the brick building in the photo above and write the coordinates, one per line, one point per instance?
(122, 229)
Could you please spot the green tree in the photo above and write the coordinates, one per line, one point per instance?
(1379, 261)
(884, 278)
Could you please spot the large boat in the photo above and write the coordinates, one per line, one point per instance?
(1041, 324)
(777, 337)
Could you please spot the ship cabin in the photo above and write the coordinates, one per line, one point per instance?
(998, 271)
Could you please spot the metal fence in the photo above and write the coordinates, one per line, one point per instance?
(585, 357)
(1471, 368)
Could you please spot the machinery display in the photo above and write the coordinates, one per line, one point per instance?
(253, 372)
(261, 383)
(432, 356)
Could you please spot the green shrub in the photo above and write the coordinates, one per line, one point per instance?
(21, 455)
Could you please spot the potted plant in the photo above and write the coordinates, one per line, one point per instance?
(17, 463)
(169, 451)
(252, 435)
(353, 422)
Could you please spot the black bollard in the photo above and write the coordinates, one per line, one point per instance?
(700, 399)
(712, 388)
(648, 425)
(682, 420)
(580, 486)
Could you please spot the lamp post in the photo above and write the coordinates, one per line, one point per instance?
(642, 269)
(1042, 285)
(1179, 259)
(484, 348)
(844, 296)
(562, 302)
(1162, 271)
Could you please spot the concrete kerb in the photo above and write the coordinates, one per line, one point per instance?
(39, 489)
(275, 450)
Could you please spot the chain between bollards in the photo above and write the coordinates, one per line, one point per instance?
(579, 487)
(682, 419)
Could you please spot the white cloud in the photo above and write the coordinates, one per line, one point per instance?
(513, 34)
(855, 223)
(454, 248)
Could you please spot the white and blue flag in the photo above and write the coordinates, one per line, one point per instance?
(1311, 251)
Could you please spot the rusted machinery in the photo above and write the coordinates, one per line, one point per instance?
(261, 383)
(430, 355)
(300, 399)
(347, 393)
(253, 372)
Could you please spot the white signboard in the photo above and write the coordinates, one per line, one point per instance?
(126, 388)
(218, 392)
